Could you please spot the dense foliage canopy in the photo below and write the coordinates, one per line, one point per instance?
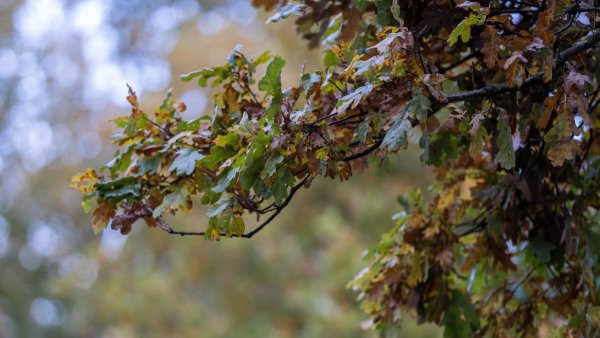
(503, 97)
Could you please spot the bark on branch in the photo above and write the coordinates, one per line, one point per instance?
(503, 88)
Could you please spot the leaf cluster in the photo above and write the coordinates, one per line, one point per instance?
(503, 98)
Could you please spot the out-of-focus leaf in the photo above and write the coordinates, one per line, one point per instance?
(185, 162)
(438, 148)
(541, 249)
(560, 139)
(351, 100)
(506, 153)
(287, 10)
(219, 207)
(397, 136)
(102, 213)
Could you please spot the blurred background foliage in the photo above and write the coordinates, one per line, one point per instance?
(64, 66)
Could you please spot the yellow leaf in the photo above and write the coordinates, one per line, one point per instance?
(214, 234)
(322, 154)
(85, 181)
(447, 197)
(406, 249)
(466, 186)
(432, 230)
(416, 273)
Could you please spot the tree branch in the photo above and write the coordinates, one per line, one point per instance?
(486, 91)
(164, 226)
(365, 152)
(502, 88)
(495, 89)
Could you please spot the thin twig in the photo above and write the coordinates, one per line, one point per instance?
(495, 89)
(503, 88)
(278, 210)
(364, 152)
(514, 290)
(512, 11)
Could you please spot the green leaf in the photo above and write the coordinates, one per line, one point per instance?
(185, 162)
(221, 73)
(167, 202)
(120, 163)
(171, 200)
(329, 60)
(86, 204)
(506, 153)
(272, 162)
(460, 318)
(271, 84)
(217, 208)
(363, 130)
(352, 99)
(282, 180)
(397, 136)
(191, 125)
(230, 140)
(271, 81)
(126, 187)
(262, 58)
(419, 105)
(463, 29)
(217, 155)
(149, 165)
(225, 181)
(360, 4)
(287, 10)
(438, 148)
(255, 160)
(541, 249)
(236, 225)
(384, 15)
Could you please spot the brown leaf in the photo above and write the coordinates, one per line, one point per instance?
(434, 85)
(267, 4)
(513, 58)
(544, 25)
(132, 213)
(491, 47)
(559, 140)
(550, 103)
(575, 81)
(350, 24)
(515, 73)
(133, 101)
(476, 123)
(445, 258)
(101, 215)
